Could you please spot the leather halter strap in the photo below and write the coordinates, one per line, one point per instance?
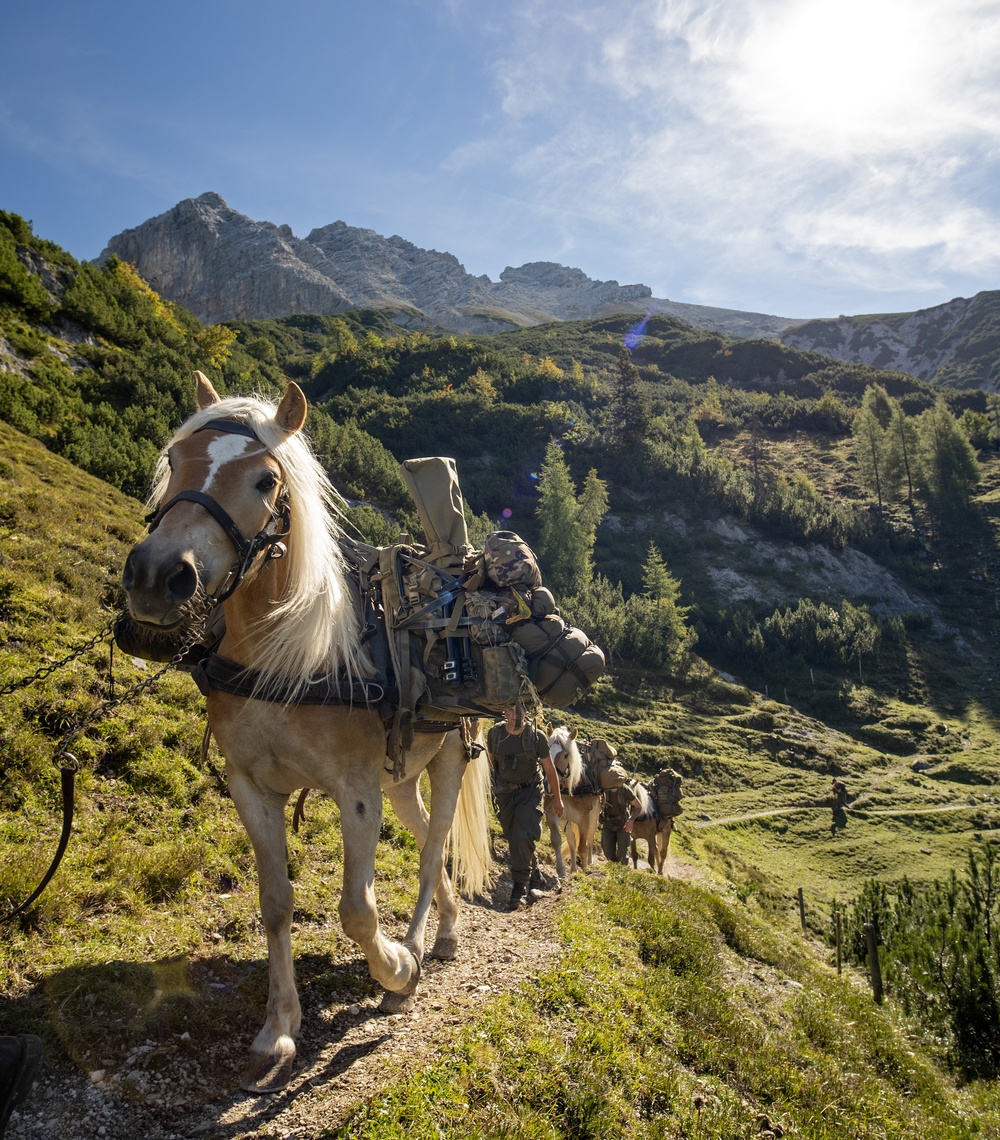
(247, 549)
(216, 510)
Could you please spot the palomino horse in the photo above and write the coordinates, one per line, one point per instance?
(655, 832)
(241, 467)
(581, 810)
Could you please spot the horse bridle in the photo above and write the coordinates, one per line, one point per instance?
(247, 549)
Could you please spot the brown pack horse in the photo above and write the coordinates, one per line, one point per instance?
(239, 467)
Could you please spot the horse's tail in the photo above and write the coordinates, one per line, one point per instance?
(472, 866)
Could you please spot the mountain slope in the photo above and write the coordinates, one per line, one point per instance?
(223, 266)
(956, 344)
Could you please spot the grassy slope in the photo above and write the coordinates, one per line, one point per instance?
(667, 991)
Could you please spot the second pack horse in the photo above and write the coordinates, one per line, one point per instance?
(236, 480)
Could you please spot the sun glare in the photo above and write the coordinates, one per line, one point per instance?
(839, 69)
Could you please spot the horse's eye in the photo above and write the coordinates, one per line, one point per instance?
(268, 483)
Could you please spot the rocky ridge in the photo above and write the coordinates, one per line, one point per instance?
(222, 266)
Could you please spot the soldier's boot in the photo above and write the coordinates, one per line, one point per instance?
(20, 1058)
(516, 895)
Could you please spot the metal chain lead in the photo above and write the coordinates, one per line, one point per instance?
(64, 758)
(42, 672)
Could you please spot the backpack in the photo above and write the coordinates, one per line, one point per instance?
(600, 756)
(665, 791)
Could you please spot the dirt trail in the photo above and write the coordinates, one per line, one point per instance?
(344, 1057)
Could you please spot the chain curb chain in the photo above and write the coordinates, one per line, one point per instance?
(65, 759)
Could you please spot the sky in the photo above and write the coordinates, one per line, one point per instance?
(802, 158)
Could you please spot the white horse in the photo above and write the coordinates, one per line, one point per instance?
(240, 467)
(656, 832)
(581, 809)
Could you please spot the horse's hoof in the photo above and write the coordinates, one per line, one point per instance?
(445, 947)
(266, 1073)
(397, 1003)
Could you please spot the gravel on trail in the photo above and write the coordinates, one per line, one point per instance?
(345, 1056)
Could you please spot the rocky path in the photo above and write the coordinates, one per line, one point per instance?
(344, 1056)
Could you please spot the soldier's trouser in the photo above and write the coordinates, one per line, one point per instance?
(520, 815)
(614, 843)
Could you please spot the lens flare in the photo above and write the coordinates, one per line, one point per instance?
(636, 333)
(506, 513)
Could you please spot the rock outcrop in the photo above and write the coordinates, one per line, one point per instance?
(222, 265)
(954, 344)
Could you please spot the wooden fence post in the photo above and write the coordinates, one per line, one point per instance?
(802, 909)
(873, 962)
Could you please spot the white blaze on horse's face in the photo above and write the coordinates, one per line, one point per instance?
(188, 548)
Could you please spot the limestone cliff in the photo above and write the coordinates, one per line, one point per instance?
(222, 265)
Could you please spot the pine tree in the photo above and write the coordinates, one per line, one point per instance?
(568, 525)
(630, 415)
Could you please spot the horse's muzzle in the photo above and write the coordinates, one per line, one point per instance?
(157, 590)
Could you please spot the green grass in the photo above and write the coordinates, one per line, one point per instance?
(672, 1012)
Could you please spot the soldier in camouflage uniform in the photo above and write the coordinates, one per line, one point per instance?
(516, 748)
(620, 807)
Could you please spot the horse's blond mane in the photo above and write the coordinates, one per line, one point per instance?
(313, 631)
(645, 802)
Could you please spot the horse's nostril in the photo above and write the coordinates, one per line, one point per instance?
(182, 583)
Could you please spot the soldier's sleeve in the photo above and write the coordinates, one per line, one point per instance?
(541, 744)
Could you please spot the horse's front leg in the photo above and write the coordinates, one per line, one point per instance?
(664, 846)
(409, 808)
(555, 836)
(589, 831)
(263, 816)
(446, 772)
(391, 964)
(572, 842)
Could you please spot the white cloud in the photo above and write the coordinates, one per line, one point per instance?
(832, 143)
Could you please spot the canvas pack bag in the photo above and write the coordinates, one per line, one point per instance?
(562, 660)
(665, 791)
(601, 759)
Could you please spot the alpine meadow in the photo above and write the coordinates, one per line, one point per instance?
(792, 565)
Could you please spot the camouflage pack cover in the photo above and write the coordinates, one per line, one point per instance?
(510, 561)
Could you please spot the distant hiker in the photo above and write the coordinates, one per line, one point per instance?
(516, 747)
(839, 794)
(20, 1058)
(620, 807)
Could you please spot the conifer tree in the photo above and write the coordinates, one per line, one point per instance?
(948, 461)
(567, 524)
(869, 431)
(630, 415)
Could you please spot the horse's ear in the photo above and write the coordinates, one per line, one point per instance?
(291, 413)
(205, 395)
(572, 734)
